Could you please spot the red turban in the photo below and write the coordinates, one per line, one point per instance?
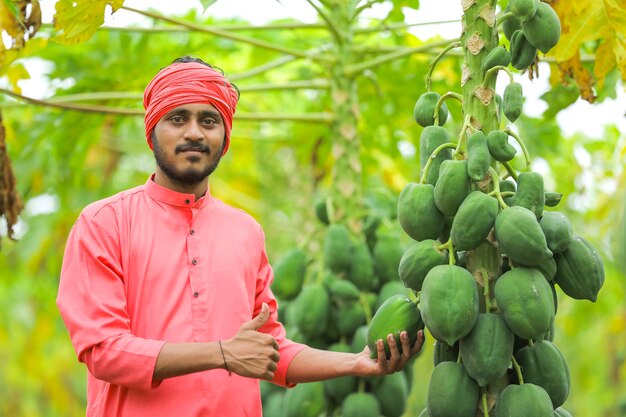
(186, 83)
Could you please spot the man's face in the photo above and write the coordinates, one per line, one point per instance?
(188, 142)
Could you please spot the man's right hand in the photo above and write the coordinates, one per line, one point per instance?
(251, 353)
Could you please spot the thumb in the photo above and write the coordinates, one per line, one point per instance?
(259, 320)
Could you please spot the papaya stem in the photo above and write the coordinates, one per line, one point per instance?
(450, 247)
(366, 308)
(519, 140)
(485, 410)
(504, 17)
(510, 170)
(361, 385)
(495, 69)
(518, 370)
(495, 178)
(486, 290)
(458, 358)
(462, 135)
(330, 211)
(434, 62)
(449, 94)
(432, 157)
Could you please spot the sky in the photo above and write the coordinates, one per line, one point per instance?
(579, 117)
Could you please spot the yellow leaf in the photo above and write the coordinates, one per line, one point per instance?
(15, 74)
(9, 21)
(574, 68)
(78, 20)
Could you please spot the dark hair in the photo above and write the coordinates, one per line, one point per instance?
(186, 59)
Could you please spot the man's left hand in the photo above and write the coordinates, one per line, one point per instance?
(367, 366)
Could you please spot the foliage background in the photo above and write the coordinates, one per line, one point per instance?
(275, 169)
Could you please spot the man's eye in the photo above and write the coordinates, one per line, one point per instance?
(177, 119)
(208, 122)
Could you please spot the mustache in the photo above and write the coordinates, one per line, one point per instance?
(198, 147)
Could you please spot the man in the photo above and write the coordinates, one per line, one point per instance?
(165, 290)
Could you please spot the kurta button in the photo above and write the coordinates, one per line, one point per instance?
(191, 232)
(193, 261)
(187, 201)
(196, 293)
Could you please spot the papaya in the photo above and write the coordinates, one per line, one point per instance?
(445, 353)
(386, 256)
(339, 388)
(523, 9)
(418, 214)
(478, 157)
(360, 404)
(543, 364)
(530, 192)
(508, 185)
(499, 147)
(524, 299)
(387, 291)
(510, 25)
(579, 270)
(394, 316)
(347, 317)
(557, 230)
(523, 400)
(337, 248)
(523, 53)
(392, 393)
(359, 339)
(311, 309)
(486, 351)
(452, 186)
(381, 202)
(305, 400)
(547, 268)
(512, 101)
(418, 259)
(424, 413)
(497, 56)
(289, 273)
(321, 212)
(520, 237)
(543, 30)
(451, 392)
(449, 302)
(343, 290)
(361, 272)
(561, 412)
(552, 198)
(473, 221)
(431, 138)
(424, 109)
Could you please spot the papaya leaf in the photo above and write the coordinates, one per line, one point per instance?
(78, 20)
(207, 3)
(593, 20)
(11, 19)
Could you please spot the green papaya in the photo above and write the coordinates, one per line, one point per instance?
(499, 147)
(418, 215)
(424, 413)
(449, 302)
(530, 192)
(381, 202)
(338, 389)
(289, 273)
(543, 30)
(510, 25)
(523, 401)
(452, 186)
(520, 237)
(386, 256)
(360, 404)
(508, 185)
(523, 9)
(445, 353)
(392, 393)
(361, 271)
(359, 339)
(473, 221)
(311, 309)
(388, 290)
(561, 412)
(418, 259)
(547, 268)
(431, 138)
(497, 56)
(337, 248)
(343, 290)
(524, 298)
(523, 53)
(557, 230)
(579, 270)
(321, 211)
(424, 109)
(478, 157)
(512, 101)
(486, 351)
(552, 198)
(394, 316)
(348, 316)
(305, 400)
(543, 364)
(452, 392)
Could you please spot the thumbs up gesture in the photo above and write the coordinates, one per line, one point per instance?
(251, 353)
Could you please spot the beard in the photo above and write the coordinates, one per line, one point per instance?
(189, 176)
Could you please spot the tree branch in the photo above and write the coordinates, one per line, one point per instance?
(331, 25)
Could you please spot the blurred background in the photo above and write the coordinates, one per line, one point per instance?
(73, 129)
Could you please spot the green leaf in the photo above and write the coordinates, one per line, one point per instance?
(560, 97)
(78, 20)
(207, 3)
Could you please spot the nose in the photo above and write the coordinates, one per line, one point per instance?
(193, 131)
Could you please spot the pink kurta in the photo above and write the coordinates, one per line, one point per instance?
(151, 265)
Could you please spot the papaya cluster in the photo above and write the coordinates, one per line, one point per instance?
(328, 302)
(490, 250)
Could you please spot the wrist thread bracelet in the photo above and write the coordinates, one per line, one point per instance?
(224, 357)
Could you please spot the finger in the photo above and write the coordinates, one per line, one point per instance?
(275, 357)
(419, 342)
(382, 356)
(269, 375)
(406, 347)
(394, 359)
(275, 344)
(259, 320)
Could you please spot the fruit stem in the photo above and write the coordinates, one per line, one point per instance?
(432, 158)
(485, 410)
(504, 17)
(519, 140)
(510, 170)
(434, 62)
(495, 69)
(495, 178)
(366, 308)
(450, 247)
(462, 134)
(449, 94)
(518, 370)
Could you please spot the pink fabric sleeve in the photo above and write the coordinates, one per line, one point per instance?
(92, 302)
(288, 349)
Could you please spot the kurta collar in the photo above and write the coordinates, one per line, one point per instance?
(175, 198)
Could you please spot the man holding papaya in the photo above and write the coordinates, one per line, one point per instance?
(165, 290)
